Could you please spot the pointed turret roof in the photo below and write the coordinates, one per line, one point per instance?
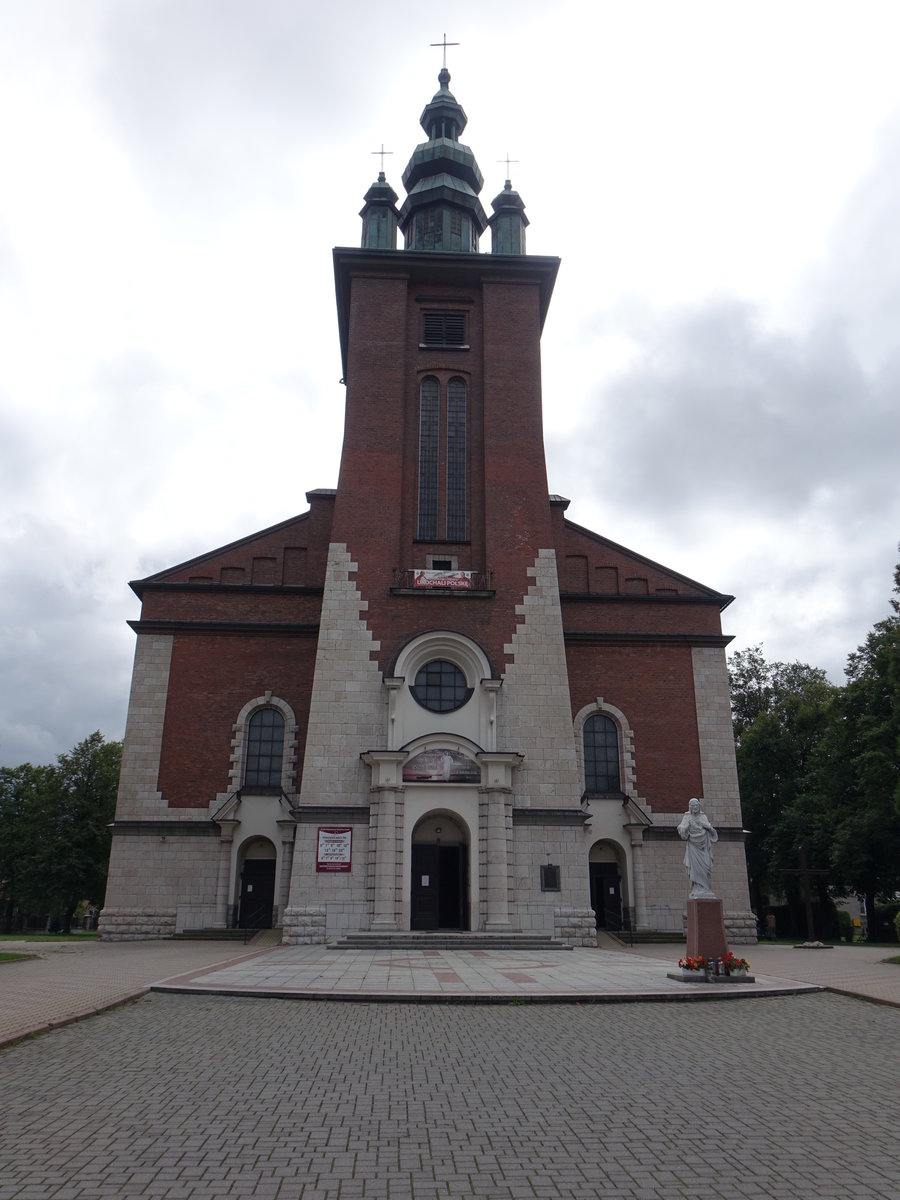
(442, 175)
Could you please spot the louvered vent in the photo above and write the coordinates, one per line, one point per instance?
(444, 329)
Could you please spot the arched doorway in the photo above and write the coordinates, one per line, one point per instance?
(439, 887)
(605, 866)
(257, 884)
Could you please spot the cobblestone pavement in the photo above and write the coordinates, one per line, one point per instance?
(198, 1097)
(68, 980)
(850, 970)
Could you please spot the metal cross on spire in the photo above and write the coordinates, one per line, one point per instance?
(382, 152)
(507, 160)
(445, 44)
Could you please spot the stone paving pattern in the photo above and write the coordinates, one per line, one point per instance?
(68, 980)
(198, 1097)
(314, 972)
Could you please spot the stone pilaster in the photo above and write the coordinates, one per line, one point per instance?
(288, 828)
(638, 881)
(226, 842)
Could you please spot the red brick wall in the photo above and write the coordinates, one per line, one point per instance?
(636, 616)
(653, 685)
(212, 677)
(196, 604)
(376, 509)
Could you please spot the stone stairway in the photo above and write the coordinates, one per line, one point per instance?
(253, 937)
(443, 940)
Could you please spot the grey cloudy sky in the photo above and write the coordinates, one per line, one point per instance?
(721, 360)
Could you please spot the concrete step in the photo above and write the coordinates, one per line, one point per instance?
(442, 940)
(211, 935)
(643, 937)
(266, 937)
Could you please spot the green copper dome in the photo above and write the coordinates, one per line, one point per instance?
(442, 180)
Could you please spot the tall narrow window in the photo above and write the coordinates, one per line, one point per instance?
(429, 429)
(456, 460)
(601, 755)
(265, 748)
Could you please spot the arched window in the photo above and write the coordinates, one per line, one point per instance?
(447, 521)
(456, 460)
(429, 427)
(601, 756)
(265, 749)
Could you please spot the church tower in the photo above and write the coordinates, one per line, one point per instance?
(441, 637)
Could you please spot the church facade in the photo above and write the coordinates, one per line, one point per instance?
(431, 701)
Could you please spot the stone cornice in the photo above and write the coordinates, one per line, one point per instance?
(675, 639)
(290, 629)
(332, 814)
(549, 816)
(158, 828)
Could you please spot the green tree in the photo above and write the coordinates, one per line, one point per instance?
(63, 830)
(780, 716)
(20, 791)
(858, 770)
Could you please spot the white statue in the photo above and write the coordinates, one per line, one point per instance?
(699, 835)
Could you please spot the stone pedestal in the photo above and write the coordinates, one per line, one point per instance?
(706, 929)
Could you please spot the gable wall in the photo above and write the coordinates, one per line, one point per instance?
(292, 553)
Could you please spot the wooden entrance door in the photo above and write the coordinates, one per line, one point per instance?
(257, 893)
(439, 890)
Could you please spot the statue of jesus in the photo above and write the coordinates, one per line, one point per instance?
(699, 836)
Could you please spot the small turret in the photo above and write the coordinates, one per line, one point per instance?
(508, 222)
(380, 216)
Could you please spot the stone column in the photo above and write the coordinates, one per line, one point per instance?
(637, 870)
(226, 840)
(386, 805)
(288, 828)
(496, 798)
(384, 909)
(498, 806)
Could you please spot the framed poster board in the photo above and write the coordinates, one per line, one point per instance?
(334, 848)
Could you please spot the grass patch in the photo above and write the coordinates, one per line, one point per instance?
(79, 935)
(13, 956)
(895, 959)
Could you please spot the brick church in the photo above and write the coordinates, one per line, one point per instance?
(431, 701)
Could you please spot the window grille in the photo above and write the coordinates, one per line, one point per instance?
(441, 686)
(429, 432)
(456, 460)
(265, 749)
(601, 755)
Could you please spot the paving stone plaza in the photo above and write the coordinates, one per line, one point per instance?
(205, 1096)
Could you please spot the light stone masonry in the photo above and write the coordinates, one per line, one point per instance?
(534, 709)
(347, 717)
(138, 793)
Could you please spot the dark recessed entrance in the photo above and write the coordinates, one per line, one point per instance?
(257, 893)
(606, 895)
(439, 888)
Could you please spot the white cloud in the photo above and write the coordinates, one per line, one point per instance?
(721, 356)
